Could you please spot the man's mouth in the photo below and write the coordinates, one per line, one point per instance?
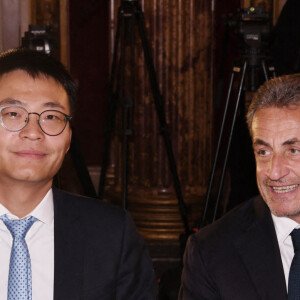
(284, 189)
(30, 154)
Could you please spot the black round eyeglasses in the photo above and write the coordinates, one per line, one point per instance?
(15, 118)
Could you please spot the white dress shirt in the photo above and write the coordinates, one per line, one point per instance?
(283, 227)
(40, 241)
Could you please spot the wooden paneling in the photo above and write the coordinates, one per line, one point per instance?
(266, 4)
(10, 24)
(45, 12)
(180, 35)
(64, 32)
(277, 7)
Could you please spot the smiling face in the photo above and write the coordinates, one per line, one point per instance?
(30, 155)
(276, 143)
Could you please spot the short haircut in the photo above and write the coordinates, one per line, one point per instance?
(278, 92)
(36, 64)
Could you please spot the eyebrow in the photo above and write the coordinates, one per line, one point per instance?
(259, 142)
(11, 101)
(292, 142)
(53, 105)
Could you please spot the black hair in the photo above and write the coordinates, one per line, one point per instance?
(38, 63)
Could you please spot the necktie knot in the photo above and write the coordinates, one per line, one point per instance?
(18, 228)
(295, 234)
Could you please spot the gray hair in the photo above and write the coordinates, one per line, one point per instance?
(279, 92)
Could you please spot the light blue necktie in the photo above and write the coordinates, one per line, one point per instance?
(19, 279)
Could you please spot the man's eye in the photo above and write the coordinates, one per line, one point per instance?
(52, 118)
(12, 114)
(294, 151)
(262, 152)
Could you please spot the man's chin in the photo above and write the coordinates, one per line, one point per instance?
(29, 176)
(283, 205)
(289, 212)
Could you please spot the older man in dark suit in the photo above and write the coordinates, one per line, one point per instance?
(249, 253)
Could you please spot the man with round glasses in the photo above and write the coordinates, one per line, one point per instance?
(74, 247)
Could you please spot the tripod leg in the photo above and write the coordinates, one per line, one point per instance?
(125, 170)
(229, 140)
(161, 116)
(272, 69)
(81, 169)
(212, 174)
(127, 132)
(263, 65)
(127, 104)
(111, 112)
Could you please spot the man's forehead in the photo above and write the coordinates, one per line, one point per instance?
(33, 75)
(275, 114)
(20, 88)
(276, 126)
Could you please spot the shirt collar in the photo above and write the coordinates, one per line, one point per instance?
(43, 212)
(283, 227)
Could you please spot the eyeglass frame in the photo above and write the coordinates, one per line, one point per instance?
(67, 119)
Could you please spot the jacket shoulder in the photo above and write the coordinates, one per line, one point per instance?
(88, 209)
(235, 222)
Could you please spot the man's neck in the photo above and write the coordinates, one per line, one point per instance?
(21, 199)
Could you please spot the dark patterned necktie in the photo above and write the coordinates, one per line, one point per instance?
(19, 278)
(294, 276)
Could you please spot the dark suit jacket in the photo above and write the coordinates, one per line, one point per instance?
(235, 258)
(98, 254)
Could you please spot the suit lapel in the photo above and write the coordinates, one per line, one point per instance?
(259, 250)
(68, 249)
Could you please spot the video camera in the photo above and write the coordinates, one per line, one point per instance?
(255, 27)
(39, 38)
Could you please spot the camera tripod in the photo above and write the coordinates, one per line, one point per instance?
(130, 13)
(250, 63)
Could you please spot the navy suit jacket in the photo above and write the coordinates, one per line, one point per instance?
(98, 254)
(236, 257)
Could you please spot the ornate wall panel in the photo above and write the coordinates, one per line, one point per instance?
(180, 35)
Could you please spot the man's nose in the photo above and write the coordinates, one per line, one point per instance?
(32, 130)
(278, 167)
